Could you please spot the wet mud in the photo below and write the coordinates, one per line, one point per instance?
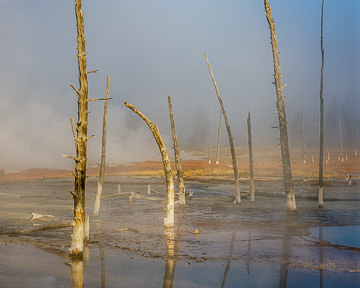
(213, 243)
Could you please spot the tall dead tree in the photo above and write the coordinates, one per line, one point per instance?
(103, 153)
(285, 154)
(321, 156)
(303, 129)
(218, 140)
(169, 210)
(180, 174)
(231, 140)
(251, 166)
(341, 140)
(80, 138)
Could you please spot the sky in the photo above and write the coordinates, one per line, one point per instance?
(155, 49)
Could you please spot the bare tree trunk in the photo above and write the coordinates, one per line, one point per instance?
(180, 175)
(341, 140)
(356, 142)
(103, 153)
(218, 140)
(303, 130)
(251, 166)
(321, 156)
(80, 138)
(231, 140)
(169, 210)
(285, 154)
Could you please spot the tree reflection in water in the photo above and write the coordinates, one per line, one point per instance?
(285, 259)
(229, 259)
(172, 248)
(77, 272)
(170, 257)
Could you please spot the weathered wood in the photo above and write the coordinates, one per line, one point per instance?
(280, 104)
(251, 166)
(50, 226)
(231, 140)
(103, 153)
(157, 193)
(169, 218)
(218, 140)
(180, 174)
(321, 154)
(341, 140)
(115, 195)
(303, 129)
(142, 197)
(81, 138)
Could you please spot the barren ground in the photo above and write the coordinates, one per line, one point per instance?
(257, 244)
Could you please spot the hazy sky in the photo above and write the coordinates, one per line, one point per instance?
(153, 49)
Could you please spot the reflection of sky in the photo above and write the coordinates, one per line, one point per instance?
(152, 49)
(343, 235)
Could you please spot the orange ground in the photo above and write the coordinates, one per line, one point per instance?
(267, 163)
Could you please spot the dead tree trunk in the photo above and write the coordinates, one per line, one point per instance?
(251, 166)
(231, 140)
(218, 141)
(303, 131)
(169, 210)
(180, 175)
(321, 156)
(341, 140)
(285, 154)
(80, 138)
(103, 153)
(356, 142)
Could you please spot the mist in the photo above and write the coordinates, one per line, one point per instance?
(153, 50)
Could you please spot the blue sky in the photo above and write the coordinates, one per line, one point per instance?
(153, 49)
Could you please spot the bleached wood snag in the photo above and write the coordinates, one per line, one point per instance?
(280, 104)
(303, 130)
(321, 156)
(80, 138)
(251, 166)
(180, 175)
(103, 153)
(170, 201)
(231, 140)
(218, 141)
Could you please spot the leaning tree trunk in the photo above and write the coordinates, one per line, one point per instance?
(103, 154)
(169, 210)
(321, 156)
(231, 140)
(251, 166)
(180, 175)
(80, 138)
(285, 154)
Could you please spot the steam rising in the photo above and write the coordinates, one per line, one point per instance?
(155, 49)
